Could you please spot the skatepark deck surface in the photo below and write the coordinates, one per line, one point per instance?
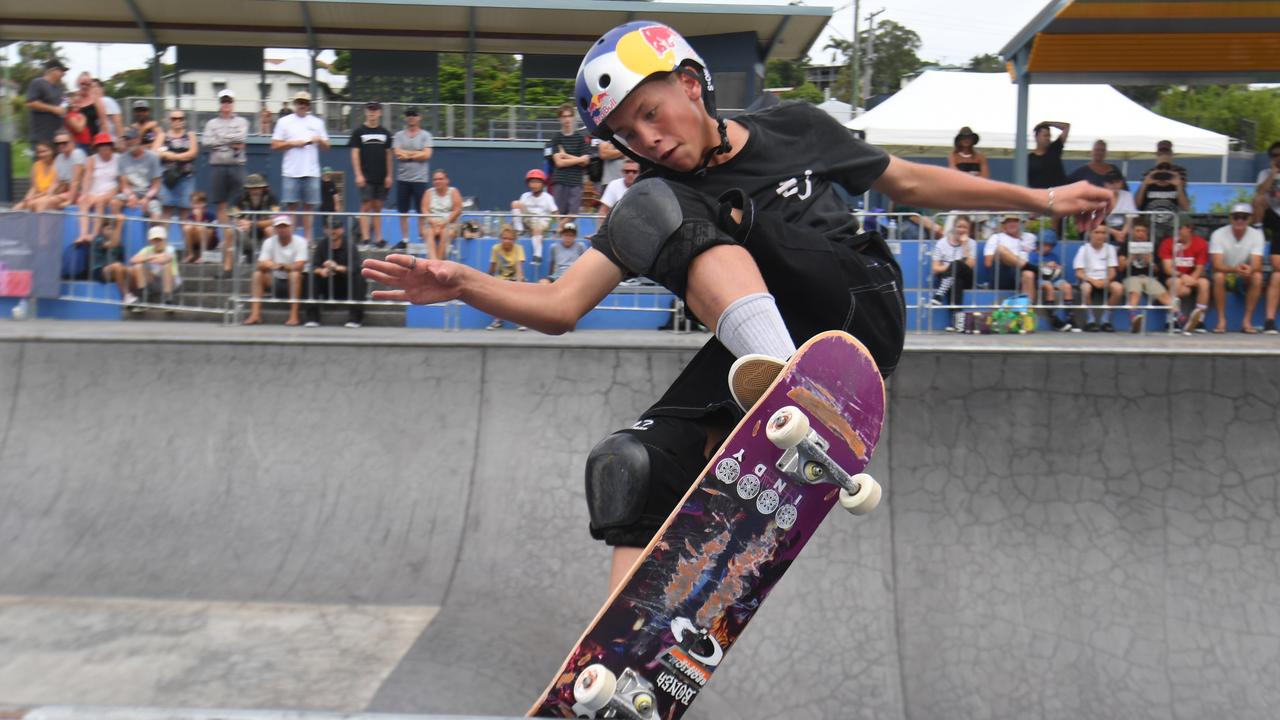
(391, 521)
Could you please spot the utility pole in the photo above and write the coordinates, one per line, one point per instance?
(871, 49)
(853, 60)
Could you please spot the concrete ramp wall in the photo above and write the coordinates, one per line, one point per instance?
(1065, 535)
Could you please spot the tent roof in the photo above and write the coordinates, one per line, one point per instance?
(1151, 42)
(924, 117)
(501, 26)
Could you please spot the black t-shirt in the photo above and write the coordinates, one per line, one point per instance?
(1163, 195)
(44, 125)
(372, 142)
(328, 189)
(1143, 264)
(575, 144)
(1084, 172)
(1045, 171)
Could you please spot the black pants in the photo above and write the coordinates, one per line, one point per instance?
(335, 287)
(949, 286)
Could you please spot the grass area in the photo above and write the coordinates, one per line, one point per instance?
(21, 160)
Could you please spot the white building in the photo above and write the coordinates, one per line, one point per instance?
(285, 77)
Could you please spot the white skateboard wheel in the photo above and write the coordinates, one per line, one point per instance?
(787, 427)
(867, 497)
(594, 687)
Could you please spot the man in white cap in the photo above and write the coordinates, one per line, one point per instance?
(280, 266)
(301, 136)
(224, 138)
(1235, 252)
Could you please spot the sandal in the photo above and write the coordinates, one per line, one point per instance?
(1218, 331)
(252, 321)
(1249, 330)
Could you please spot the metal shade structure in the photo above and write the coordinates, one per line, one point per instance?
(1144, 42)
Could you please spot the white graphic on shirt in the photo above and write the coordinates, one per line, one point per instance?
(791, 187)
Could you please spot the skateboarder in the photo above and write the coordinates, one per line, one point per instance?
(741, 218)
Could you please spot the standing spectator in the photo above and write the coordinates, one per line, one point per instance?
(198, 236)
(538, 206)
(1164, 190)
(954, 259)
(224, 138)
(155, 266)
(1184, 259)
(569, 155)
(565, 253)
(412, 148)
(139, 176)
(1137, 266)
(614, 191)
(1095, 267)
(1006, 254)
(371, 161)
(146, 125)
(254, 209)
(114, 120)
(611, 160)
(1120, 221)
(44, 103)
(42, 195)
(1235, 251)
(441, 206)
(266, 120)
(280, 265)
(335, 275)
(965, 158)
(506, 262)
(69, 166)
(177, 149)
(284, 111)
(1095, 172)
(1044, 163)
(301, 136)
(89, 103)
(102, 185)
(77, 124)
(1054, 286)
(1266, 197)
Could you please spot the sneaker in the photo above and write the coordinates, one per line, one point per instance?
(1107, 327)
(312, 324)
(1193, 320)
(130, 299)
(1136, 322)
(936, 302)
(1091, 327)
(750, 376)
(402, 245)
(380, 244)
(1269, 328)
(1058, 323)
(537, 259)
(352, 325)
(521, 328)
(495, 325)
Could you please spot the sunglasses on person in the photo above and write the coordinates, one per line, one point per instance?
(1240, 216)
(61, 142)
(630, 172)
(225, 100)
(177, 118)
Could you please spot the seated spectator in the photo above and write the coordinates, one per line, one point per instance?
(1164, 190)
(614, 191)
(1095, 267)
(565, 253)
(155, 266)
(280, 265)
(1235, 252)
(335, 275)
(954, 259)
(965, 158)
(1095, 172)
(197, 234)
(441, 206)
(538, 207)
(68, 163)
(253, 213)
(1055, 287)
(1184, 260)
(507, 263)
(1123, 210)
(102, 186)
(139, 176)
(106, 259)
(1006, 254)
(42, 195)
(176, 148)
(1136, 265)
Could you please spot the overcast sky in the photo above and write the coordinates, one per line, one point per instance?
(950, 32)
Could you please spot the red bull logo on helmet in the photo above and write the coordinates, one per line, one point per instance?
(602, 103)
(663, 40)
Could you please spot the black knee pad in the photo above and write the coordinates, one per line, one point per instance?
(618, 474)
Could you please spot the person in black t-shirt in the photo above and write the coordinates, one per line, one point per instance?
(1044, 163)
(742, 219)
(370, 160)
(1164, 188)
(569, 153)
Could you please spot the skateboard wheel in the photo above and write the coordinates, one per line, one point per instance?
(787, 427)
(867, 497)
(594, 687)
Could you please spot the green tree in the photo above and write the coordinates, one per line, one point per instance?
(987, 63)
(1250, 115)
(785, 73)
(895, 49)
(134, 83)
(1145, 95)
(806, 91)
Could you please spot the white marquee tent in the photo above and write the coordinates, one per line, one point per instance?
(924, 117)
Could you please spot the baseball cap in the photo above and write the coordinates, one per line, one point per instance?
(1164, 146)
(141, 105)
(281, 220)
(255, 181)
(1244, 208)
(411, 112)
(569, 227)
(131, 133)
(1009, 216)
(373, 105)
(157, 233)
(226, 93)
(302, 96)
(54, 63)
(103, 139)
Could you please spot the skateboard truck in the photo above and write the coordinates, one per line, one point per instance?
(601, 694)
(805, 459)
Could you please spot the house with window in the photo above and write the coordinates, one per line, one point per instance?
(279, 81)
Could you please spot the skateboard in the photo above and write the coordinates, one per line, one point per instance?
(799, 451)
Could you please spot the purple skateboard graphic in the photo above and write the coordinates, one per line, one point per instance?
(657, 641)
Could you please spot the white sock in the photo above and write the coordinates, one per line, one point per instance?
(752, 324)
(536, 241)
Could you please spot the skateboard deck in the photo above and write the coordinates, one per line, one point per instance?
(654, 645)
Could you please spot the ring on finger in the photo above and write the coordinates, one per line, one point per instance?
(413, 262)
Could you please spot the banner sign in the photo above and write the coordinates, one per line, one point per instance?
(30, 254)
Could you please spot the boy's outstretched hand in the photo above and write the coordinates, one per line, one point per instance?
(419, 281)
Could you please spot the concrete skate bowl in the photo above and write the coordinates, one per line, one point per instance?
(1064, 535)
